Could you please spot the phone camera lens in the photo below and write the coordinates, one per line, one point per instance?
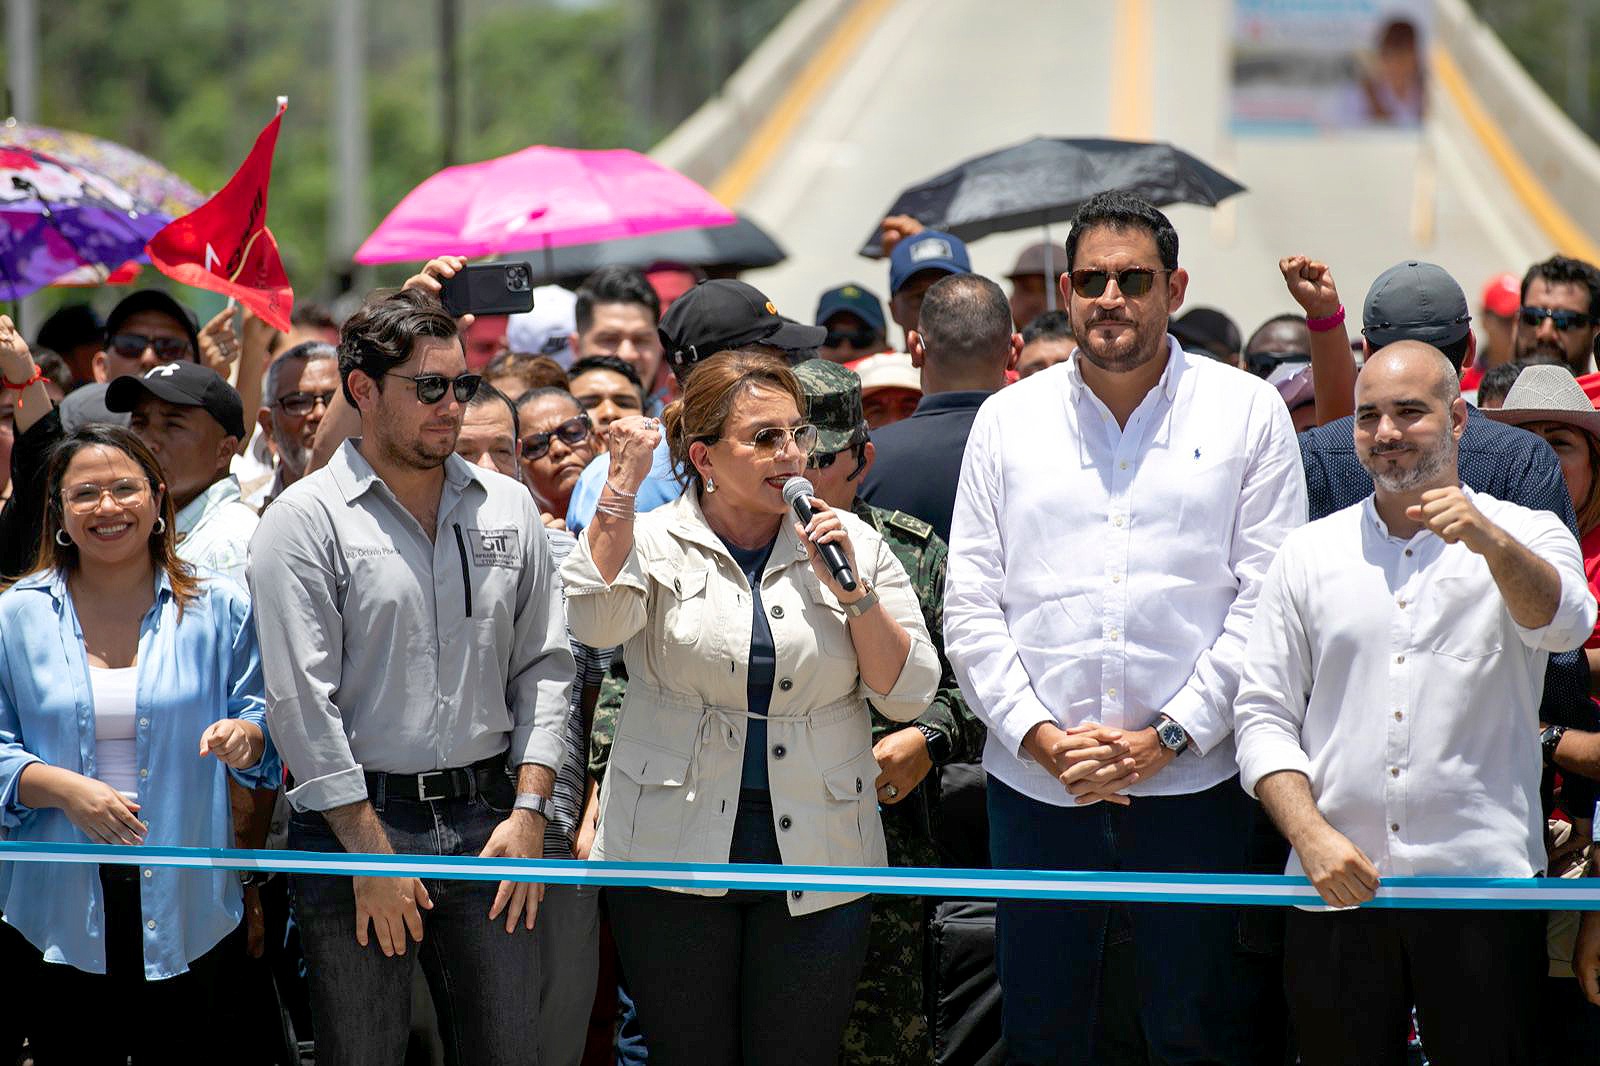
(517, 279)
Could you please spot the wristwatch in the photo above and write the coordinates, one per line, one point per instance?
(1549, 740)
(1171, 734)
(529, 801)
(857, 608)
(252, 877)
(938, 743)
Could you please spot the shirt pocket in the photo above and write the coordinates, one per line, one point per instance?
(829, 623)
(852, 806)
(1463, 628)
(683, 601)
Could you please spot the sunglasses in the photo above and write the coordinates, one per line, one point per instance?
(770, 441)
(1135, 281)
(572, 432)
(856, 338)
(83, 499)
(132, 346)
(432, 387)
(1563, 319)
(300, 404)
(1263, 363)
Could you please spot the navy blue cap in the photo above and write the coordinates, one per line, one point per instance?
(929, 250)
(852, 299)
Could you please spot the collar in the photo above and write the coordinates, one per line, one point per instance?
(960, 400)
(221, 492)
(54, 582)
(1370, 516)
(687, 521)
(1178, 361)
(355, 476)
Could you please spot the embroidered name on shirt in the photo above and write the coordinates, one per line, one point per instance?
(495, 547)
(358, 551)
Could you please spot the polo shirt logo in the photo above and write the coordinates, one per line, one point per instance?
(495, 547)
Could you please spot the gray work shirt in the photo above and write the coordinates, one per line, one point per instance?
(384, 650)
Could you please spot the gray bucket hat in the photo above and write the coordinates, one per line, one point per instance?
(1548, 394)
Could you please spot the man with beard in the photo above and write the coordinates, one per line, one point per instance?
(417, 669)
(300, 384)
(1113, 522)
(1388, 719)
(1560, 315)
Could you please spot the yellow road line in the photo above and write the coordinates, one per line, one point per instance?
(774, 132)
(1559, 226)
(1132, 75)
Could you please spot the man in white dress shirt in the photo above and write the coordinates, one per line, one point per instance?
(1115, 516)
(1388, 719)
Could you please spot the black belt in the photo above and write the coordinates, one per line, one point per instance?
(457, 782)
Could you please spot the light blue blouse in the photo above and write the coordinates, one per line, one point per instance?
(193, 669)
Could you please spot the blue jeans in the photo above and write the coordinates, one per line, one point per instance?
(484, 980)
(1204, 984)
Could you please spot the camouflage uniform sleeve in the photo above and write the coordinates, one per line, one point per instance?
(604, 729)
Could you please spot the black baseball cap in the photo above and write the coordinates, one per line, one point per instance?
(723, 313)
(185, 384)
(155, 300)
(1414, 301)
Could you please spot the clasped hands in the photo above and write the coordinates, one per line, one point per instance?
(1097, 763)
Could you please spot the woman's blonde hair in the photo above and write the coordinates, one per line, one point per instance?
(707, 402)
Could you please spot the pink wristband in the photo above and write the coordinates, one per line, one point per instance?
(1323, 325)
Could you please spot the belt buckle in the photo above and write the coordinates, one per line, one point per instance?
(422, 785)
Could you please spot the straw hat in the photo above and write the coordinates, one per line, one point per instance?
(1545, 393)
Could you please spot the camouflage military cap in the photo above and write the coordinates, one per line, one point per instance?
(833, 404)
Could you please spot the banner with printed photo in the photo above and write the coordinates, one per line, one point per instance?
(1308, 67)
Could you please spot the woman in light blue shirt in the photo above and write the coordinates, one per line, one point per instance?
(127, 684)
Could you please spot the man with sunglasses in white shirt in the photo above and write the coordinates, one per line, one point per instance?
(1115, 516)
(415, 653)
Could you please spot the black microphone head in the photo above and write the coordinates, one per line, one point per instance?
(796, 488)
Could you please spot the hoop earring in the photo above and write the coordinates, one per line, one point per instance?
(62, 538)
(711, 485)
(161, 526)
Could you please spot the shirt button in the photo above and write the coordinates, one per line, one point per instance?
(786, 684)
(1111, 692)
(144, 773)
(1394, 827)
(144, 721)
(1402, 605)
(777, 611)
(149, 872)
(1398, 716)
(1399, 658)
(1111, 634)
(1394, 771)
(1408, 553)
(785, 822)
(1117, 521)
(779, 751)
(796, 894)
(1116, 579)
(1124, 464)
(151, 924)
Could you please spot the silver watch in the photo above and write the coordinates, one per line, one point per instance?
(1173, 736)
(530, 801)
(857, 608)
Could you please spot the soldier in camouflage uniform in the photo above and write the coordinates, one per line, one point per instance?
(889, 1023)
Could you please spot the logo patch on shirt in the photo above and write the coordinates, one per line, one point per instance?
(495, 547)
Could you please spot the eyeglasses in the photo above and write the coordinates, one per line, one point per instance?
(300, 404)
(572, 432)
(772, 440)
(82, 499)
(856, 338)
(132, 346)
(432, 387)
(1135, 281)
(1563, 319)
(1263, 363)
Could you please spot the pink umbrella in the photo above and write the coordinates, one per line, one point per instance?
(537, 198)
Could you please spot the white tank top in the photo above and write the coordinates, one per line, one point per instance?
(116, 752)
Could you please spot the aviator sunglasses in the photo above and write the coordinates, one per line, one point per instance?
(1135, 281)
(1561, 318)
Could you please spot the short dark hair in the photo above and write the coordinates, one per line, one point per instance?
(545, 392)
(1048, 326)
(380, 336)
(606, 362)
(54, 368)
(1287, 316)
(488, 394)
(965, 317)
(304, 315)
(1123, 210)
(1564, 270)
(531, 371)
(614, 285)
(1497, 382)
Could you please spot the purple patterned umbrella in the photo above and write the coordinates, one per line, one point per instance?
(138, 174)
(56, 217)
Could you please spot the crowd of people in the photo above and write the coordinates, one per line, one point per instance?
(1079, 578)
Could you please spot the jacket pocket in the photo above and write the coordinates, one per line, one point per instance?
(683, 601)
(853, 811)
(829, 623)
(644, 806)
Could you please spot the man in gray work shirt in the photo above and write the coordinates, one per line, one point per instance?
(417, 670)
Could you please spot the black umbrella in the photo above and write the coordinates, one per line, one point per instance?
(741, 246)
(1046, 180)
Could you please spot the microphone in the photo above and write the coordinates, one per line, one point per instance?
(795, 493)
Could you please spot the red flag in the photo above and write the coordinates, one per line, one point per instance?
(224, 244)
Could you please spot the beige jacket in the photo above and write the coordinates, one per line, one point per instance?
(681, 607)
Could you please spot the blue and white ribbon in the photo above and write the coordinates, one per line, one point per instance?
(1461, 893)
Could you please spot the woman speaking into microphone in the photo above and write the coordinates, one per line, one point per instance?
(745, 735)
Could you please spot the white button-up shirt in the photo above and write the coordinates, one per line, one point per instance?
(1106, 574)
(1391, 674)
